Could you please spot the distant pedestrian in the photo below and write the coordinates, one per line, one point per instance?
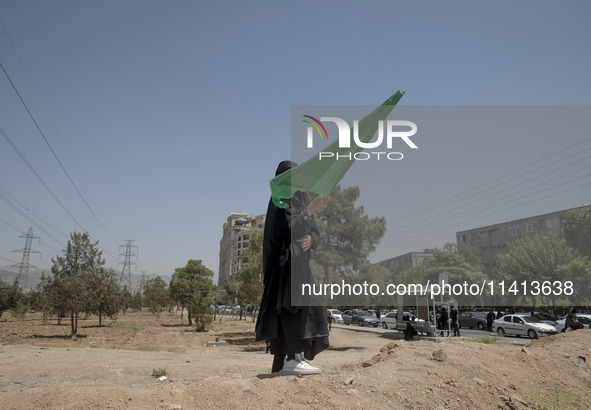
(455, 321)
(490, 318)
(378, 315)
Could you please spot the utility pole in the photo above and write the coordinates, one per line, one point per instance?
(23, 267)
(125, 279)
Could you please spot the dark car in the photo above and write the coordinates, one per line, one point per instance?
(473, 319)
(360, 317)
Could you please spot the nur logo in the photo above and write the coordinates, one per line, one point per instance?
(386, 130)
(311, 131)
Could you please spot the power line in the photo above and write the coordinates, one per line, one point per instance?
(30, 211)
(462, 195)
(48, 190)
(467, 204)
(53, 152)
(15, 148)
(417, 234)
(9, 260)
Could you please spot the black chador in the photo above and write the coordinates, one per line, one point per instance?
(289, 328)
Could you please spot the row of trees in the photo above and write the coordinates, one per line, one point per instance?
(348, 236)
(540, 258)
(81, 285)
(190, 288)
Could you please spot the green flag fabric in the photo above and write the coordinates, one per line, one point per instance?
(321, 176)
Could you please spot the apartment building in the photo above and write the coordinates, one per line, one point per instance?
(492, 240)
(237, 230)
(401, 263)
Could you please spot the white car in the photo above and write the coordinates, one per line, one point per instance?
(584, 319)
(336, 316)
(389, 321)
(522, 325)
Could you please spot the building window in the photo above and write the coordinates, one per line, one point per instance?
(245, 237)
(240, 238)
(239, 245)
(529, 227)
(245, 245)
(552, 223)
(514, 230)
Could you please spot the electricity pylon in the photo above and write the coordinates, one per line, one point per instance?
(125, 279)
(24, 266)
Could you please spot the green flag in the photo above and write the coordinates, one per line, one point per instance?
(321, 176)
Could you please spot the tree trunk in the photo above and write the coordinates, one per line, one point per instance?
(73, 326)
(76, 324)
(100, 319)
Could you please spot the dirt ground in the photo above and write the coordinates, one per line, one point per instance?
(111, 368)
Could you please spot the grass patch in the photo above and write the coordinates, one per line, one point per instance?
(15, 340)
(484, 339)
(145, 348)
(176, 350)
(159, 373)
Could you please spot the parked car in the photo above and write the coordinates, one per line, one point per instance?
(473, 319)
(544, 317)
(336, 316)
(522, 325)
(360, 317)
(584, 319)
(375, 312)
(389, 321)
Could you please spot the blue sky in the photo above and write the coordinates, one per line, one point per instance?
(170, 115)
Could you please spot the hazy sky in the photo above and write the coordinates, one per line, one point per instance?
(169, 115)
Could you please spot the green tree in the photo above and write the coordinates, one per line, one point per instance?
(10, 295)
(577, 230)
(246, 286)
(191, 287)
(461, 264)
(137, 301)
(51, 302)
(156, 295)
(543, 258)
(105, 296)
(348, 236)
(72, 276)
(125, 298)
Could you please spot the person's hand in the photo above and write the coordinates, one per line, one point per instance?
(305, 242)
(318, 202)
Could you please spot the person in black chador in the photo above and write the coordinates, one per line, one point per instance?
(292, 330)
(490, 318)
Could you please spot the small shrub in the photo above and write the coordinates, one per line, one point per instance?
(159, 373)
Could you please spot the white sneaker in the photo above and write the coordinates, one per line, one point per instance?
(298, 367)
